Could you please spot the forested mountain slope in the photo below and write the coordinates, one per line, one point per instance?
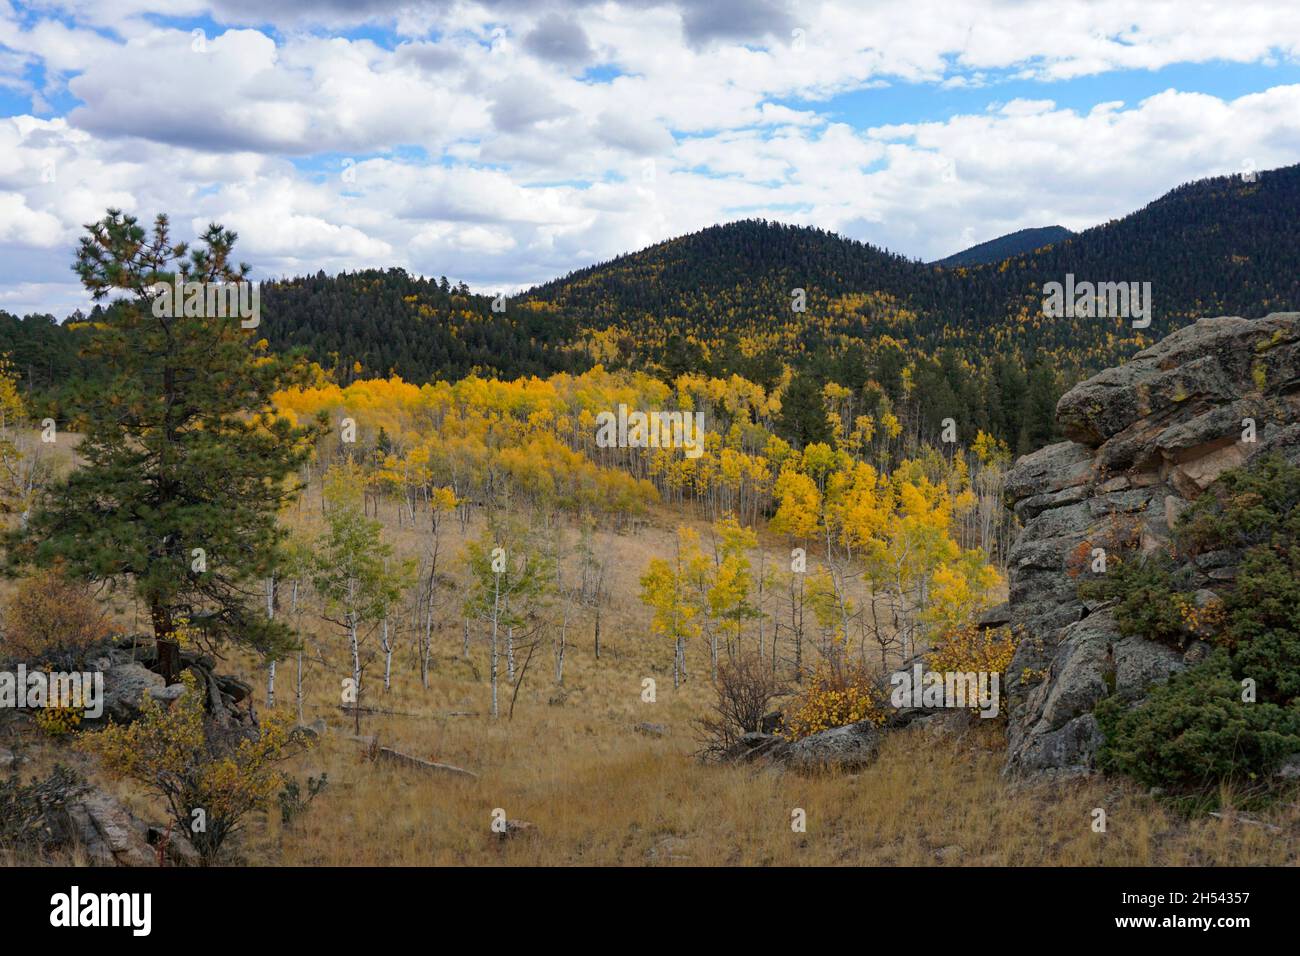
(1004, 247)
(769, 301)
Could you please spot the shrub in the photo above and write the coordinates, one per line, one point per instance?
(195, 764)
(1195, 732)
(32, 814)
(52, 620)
(59, 721)
(972, 648)
(838, 693)
(1150, 602)
(745, 689)
(293, 804)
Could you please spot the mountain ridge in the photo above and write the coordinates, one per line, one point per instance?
(1006, 246)
(764, 299)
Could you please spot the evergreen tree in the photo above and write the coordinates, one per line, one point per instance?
(185, 463)
(803, 412)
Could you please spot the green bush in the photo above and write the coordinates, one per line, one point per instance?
(1147, 592)
(1195, 731)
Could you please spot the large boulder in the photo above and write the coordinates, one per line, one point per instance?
(129, 677)
(125, 686)
(1145, 439)
(850, 747)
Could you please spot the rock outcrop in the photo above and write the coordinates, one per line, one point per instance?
(1145, 439)
(129, 677)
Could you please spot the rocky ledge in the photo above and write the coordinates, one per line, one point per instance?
(1145, 439)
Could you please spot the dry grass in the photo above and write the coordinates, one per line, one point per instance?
(600, 793)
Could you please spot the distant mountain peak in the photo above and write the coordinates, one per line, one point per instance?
(1005, 247)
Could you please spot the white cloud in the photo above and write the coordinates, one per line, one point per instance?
(478, 147)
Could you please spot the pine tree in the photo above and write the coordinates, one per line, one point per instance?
(185, 462)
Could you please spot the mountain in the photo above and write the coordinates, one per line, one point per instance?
(1213, 247)
(382, 322)
(764, 299)
(1004, 247)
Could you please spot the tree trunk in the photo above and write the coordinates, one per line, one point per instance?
(356, 670)
(496, 601)
(510, 654)
(388, 659)
(270, 616)
(169, 652)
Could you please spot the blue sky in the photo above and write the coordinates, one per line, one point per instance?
(504, 143)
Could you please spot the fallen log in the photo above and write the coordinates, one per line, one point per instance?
(406, 760)
(375, 712)
(1232, 817)
(375, 752)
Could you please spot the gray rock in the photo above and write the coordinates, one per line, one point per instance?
(168, 693)
(855, 745)
(1072, 748)
(1146, 439)
(1049, 470)
(106, 831)
(313, 731)
(1080, 672)
(125, 685)
(1139, 663)
(1289, 768)
(176, 846)
(234, 688)
(651, 730)
(995, 617)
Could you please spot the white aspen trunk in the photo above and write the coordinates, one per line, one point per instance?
(496, 600)
(564, 626)
(510, 654)
(356, 652)
(293, 609)
(388, 659)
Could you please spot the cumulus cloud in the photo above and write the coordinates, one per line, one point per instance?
(559, 39)
(503, 143)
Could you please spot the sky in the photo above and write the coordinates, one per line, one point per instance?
(506, 143)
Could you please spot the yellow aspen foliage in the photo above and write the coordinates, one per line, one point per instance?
(972, 649)
(799, 511)
(835, 696)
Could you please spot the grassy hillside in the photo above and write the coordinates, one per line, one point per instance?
(600, 793)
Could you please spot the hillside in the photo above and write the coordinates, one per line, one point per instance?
(1004, 247)
(932, 341)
